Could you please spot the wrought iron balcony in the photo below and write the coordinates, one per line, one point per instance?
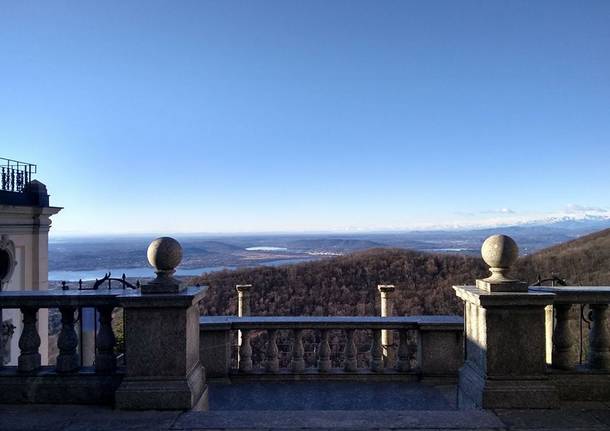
(14, 175)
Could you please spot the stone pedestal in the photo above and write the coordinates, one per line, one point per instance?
(162, 351)
(505, 350)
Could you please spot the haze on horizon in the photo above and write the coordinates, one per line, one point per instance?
(274, 116)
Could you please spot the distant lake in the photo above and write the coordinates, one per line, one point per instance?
(265, 248)
(281, 262)
(148, 272)
(145, 272)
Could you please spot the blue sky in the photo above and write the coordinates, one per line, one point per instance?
(221, 116)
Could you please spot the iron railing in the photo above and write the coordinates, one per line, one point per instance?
(14, 175)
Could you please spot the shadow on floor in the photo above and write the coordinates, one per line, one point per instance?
(330, 396)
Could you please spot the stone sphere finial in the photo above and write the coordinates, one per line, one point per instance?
(499, 251)
(164, 254)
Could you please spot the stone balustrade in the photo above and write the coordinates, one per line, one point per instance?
(498, 353)
(162, 369)
(66, 380)
(580, 347)
(428, 347)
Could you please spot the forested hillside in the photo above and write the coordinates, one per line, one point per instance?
(347, 285)
(584, 261)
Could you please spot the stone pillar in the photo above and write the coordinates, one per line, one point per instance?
(163, 370)
(243, 299)
(505, 363)
(243, 309)
(386, 309)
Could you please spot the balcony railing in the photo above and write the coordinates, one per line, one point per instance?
(100, 381)
(497, 354)
(580, 336)
(14, 175)
(331, 347)
(579, 347)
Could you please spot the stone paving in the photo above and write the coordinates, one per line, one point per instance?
(331, 396)
(273, 407)
(73, 418)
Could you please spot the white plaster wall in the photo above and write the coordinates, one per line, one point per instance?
(16, 283)
(28, 228)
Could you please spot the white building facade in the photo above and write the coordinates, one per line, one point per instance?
(25, 219)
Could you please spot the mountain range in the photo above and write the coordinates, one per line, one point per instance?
(203, 253)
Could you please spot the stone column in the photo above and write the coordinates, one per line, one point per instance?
(386, 308)
(243, 309)
(163, 370)
(505, 364)
(243, 299)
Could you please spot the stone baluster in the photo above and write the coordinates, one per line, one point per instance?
(273, 363)
(29, 342)
(2, 342)
(376, 352)
(298, 352)
(565, 348)
(386, 309)
(599, 339)
(67, 342)
(105, 359)
(324, 362)
(404, 352)
(351, 354)
(245, 352)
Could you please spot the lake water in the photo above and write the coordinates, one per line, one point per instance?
(266, 248)
(145, 272)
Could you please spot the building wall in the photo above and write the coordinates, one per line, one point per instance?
(27, 227)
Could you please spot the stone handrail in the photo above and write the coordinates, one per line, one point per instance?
(576, 294)
(569, 305)
(428, 345)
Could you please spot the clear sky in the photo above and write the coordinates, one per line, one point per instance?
(222, 116)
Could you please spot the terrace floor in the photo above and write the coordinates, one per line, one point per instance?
(303, 406)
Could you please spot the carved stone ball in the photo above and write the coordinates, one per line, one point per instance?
(499, 251)
(164, 253)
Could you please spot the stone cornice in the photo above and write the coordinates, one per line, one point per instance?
(19, 210)
(24, 219)
(486, 299)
